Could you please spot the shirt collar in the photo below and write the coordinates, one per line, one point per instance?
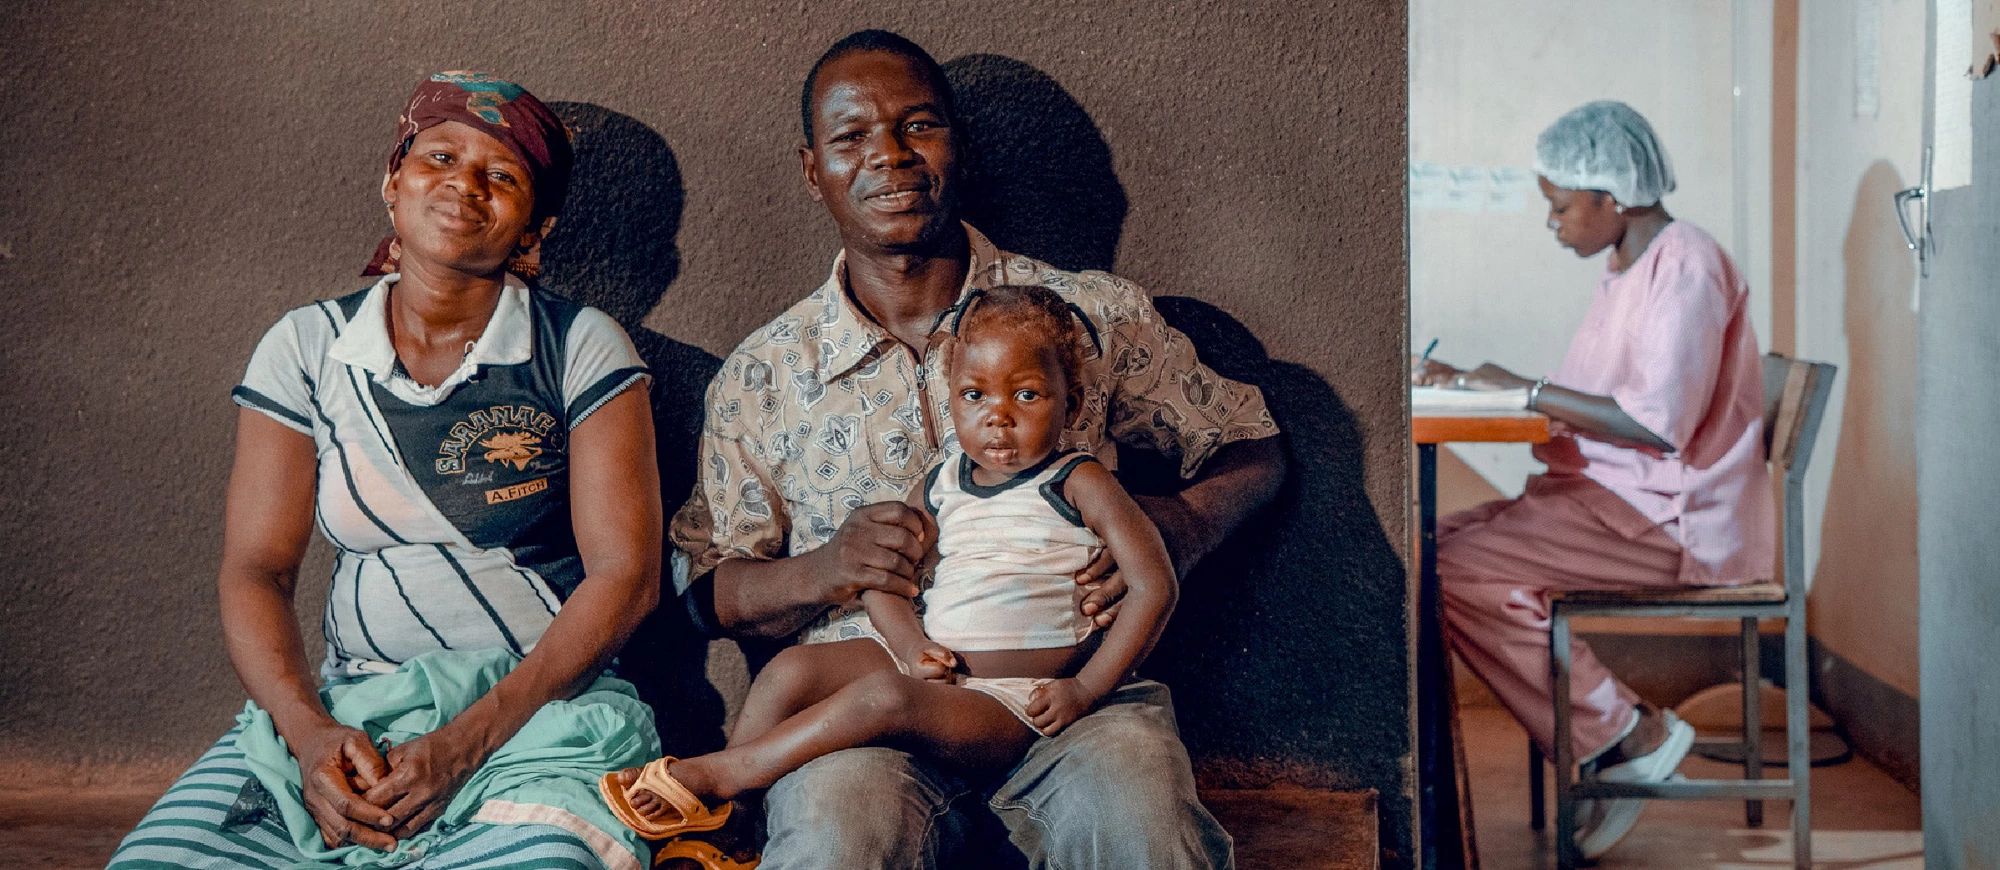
(508, 338)
(848, 336)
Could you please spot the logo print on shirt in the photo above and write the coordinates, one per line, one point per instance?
(515, 447)
(511, 435)
(519, 490)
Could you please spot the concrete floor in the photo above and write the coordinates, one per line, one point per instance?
(68, 828)
(1862, 819)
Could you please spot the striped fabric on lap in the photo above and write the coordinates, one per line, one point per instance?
(184, 830)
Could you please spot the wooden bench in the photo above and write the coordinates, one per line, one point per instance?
(1294, 829)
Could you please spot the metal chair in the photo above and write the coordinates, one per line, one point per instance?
(1795, 396)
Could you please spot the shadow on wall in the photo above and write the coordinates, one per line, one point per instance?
(1869, 534)
(1864, 594)
(1287, 654)
(1297, 661)
(1038, 177)
(614, 249)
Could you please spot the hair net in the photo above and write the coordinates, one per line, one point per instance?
(1608, 146)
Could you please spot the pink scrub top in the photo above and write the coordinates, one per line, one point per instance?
(1670, 340)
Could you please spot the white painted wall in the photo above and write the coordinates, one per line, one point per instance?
(1835, 148)
(1864, 602)
(1486, 77)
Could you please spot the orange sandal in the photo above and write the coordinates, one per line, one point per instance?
(703, 853)
(695, 817)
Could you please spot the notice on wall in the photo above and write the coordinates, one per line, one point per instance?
(1427, 185)
(1951, 113)
(1514, 189)
(1499, 189)
(1467, 188)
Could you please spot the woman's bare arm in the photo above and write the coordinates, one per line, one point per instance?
(267, 522)
(1586, 414)
(1598, 417)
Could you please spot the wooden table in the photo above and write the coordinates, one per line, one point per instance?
(1444, 798)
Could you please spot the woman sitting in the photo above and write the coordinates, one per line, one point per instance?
(480, 455)
(1656, 475)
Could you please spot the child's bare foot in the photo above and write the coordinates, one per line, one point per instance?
(687, 772)
(645, 802)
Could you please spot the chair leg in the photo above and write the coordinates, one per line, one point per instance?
(1753, 714)
(1537, 815)
(1798, 734)
(1567, 856)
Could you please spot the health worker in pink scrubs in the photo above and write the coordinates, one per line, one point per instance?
(1656, 474)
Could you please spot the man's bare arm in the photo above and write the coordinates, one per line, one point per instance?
(1237, 481)
(1234, 483)
(878, 547)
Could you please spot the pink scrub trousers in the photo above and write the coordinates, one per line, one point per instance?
(1496, 565)
(1670, 340)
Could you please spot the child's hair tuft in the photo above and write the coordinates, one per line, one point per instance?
(1032, 311)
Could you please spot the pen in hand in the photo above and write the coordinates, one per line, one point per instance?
(1421, 367)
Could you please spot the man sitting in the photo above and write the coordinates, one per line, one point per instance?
(822, 421)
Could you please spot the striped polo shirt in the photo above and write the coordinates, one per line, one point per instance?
(448, 506)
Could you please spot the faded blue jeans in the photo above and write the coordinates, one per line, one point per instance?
(1113, 790)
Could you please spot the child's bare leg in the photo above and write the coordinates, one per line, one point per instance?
(794, 680)
(802, 676)
(883, 708)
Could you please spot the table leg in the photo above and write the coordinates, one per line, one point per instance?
(1444, 803)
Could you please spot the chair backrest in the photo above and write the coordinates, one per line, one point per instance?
(1795, 397)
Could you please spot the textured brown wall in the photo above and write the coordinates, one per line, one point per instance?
(175, 176)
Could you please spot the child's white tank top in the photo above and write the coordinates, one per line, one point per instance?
(1010, 554)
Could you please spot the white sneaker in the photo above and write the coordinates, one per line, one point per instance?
(1616, 816)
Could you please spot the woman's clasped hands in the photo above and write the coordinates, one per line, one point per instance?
(337, 765)
(361, 796)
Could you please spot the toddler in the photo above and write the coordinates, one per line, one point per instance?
(1000, 656)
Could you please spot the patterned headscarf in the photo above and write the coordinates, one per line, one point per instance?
(514, 118)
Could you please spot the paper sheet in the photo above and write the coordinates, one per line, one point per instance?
(1513, 189)
(1469, 188)
(1439, 399)
(1499, 189)
(1427, 185)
